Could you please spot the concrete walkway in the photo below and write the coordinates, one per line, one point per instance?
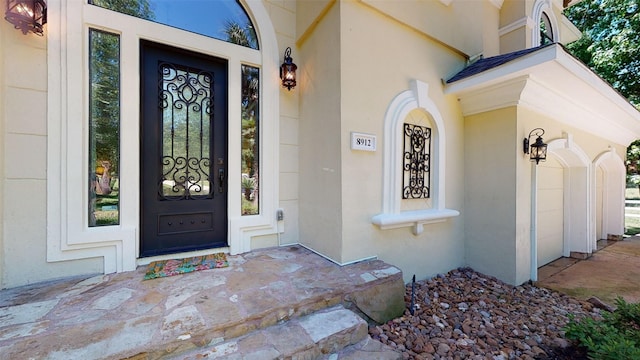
(121, 315)
(611, 272)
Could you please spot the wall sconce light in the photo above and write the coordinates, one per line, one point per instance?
(288, 71)
(538, 150)
(27, 15)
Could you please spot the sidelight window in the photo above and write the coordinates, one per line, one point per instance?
(250, 140)
(104, 128)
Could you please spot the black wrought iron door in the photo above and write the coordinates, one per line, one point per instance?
(183, 159)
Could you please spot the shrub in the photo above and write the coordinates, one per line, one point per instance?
(615, 337)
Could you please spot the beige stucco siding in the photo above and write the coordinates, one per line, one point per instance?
(490, 193)
(283, 16)
(320, 141)
(458, 24)
(3, 151)
(23, 125)
(385, 55)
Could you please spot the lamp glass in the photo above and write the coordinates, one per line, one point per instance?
(27, 15)
(538, 151)
(288, 71)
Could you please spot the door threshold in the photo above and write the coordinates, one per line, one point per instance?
(182, 255)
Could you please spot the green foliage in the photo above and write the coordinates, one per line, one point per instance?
(241, 35)
(248, 208)
(615, 337)
(248, 186)
(137, 8)
(610, 43)
(633, 164)
(610, 46)
(105, 98)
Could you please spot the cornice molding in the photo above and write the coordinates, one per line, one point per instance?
(522, 22)
(553, 83)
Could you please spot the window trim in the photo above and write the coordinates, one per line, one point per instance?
(417, 97)
(539, 8)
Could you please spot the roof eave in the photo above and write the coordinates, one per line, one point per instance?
(556, 71)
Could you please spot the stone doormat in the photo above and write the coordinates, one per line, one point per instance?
(172, 267)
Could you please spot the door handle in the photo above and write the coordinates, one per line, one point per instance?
(220, 180)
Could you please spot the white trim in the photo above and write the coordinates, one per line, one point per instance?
(540, 7)
(570, 32)
(581, 100)
(522, 22)
(613, 188)
(578, 216)
(417, 97)
(533, 230)
(68, 236)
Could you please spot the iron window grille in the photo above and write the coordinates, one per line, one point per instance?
(416, 162)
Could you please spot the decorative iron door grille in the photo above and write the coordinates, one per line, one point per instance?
(416, 162)
(185, 102)
(183, 150)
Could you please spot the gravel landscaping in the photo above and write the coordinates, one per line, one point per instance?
(466, 315)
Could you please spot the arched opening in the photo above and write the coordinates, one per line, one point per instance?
(610, 174)
(545, 30)
(565, 185)
(412, 102)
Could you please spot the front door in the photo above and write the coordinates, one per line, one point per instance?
(183, 154)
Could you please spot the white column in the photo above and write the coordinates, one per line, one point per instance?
(534, 222)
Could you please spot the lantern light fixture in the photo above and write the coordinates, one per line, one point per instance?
(288, 70)
(27, 15)
(538, 150)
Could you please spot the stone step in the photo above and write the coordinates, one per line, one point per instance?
(327, 331)
(367, 348)
(120, 316)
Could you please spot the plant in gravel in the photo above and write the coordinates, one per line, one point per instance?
(616, 336)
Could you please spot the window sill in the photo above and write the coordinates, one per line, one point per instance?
(416, 219)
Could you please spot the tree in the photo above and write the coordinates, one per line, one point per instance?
(610, 43)
(610, 46)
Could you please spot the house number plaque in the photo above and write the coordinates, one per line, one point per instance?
(365, 142)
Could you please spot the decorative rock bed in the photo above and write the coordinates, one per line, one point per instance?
(467, 315)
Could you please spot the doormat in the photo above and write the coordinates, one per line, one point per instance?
(165, 268)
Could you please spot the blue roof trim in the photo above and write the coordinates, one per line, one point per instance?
(483, 65)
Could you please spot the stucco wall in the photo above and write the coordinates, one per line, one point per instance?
(381, 53)
(320, 138)
(3, 90)
(23, 164)
(283, 17)
(490, 193)
(458, 25)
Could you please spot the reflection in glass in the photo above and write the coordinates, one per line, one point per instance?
(104, 128)
(186, 132)
(220, 19)
(546, 33)
(250, 138)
